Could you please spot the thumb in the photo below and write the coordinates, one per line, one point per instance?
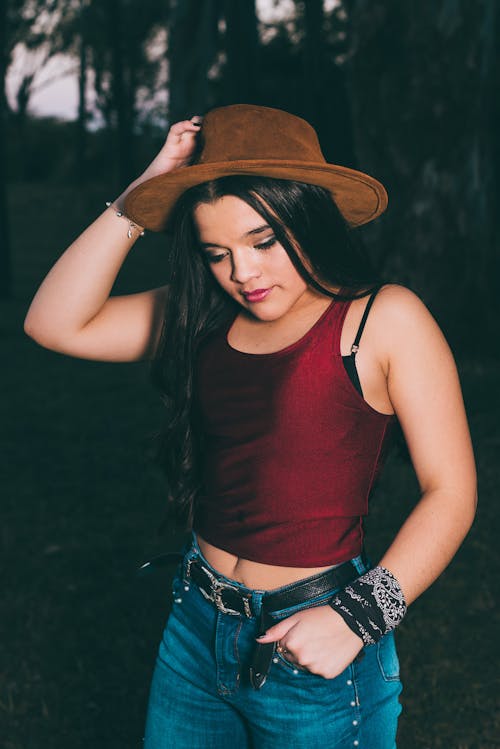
(277, 631)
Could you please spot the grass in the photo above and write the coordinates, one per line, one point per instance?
(82, 502)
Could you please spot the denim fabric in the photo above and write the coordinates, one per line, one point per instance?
(201, 697)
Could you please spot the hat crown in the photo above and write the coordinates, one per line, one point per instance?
(243, 132)
(246, 139)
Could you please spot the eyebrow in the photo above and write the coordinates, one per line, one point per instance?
(249, 233)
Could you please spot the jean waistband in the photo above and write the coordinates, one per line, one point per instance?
(256, 597)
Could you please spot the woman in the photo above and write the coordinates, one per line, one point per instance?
(278, 418)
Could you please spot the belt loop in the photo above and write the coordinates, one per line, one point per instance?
(366, 560)
(187, 568)
(191, 555)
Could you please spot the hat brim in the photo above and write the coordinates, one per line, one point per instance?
(359, 197)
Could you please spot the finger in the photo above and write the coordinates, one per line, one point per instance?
(277, 631)
(183, 124)
(186, 126)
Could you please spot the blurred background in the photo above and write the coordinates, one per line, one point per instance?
(407, 92)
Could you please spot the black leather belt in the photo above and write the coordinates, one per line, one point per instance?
(231, 599)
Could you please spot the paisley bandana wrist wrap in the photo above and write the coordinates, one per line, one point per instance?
(372, 605)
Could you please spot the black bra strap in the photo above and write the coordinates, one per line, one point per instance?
(355, 345)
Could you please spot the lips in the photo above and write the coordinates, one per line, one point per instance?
(258, 295)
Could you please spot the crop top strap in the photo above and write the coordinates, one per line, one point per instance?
(355, 345)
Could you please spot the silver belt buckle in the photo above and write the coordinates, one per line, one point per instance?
(215, 595)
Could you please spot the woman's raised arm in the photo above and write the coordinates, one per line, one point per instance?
(72, 311)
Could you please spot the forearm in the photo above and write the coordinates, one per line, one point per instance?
(429, 538)
(376, 602)
(78, 285)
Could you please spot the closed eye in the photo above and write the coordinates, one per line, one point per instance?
(267, 244)
(213, 258)
(261, 246)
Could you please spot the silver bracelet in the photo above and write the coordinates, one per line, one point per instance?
(131, 224)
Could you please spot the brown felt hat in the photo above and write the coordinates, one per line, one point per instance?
(248, 139)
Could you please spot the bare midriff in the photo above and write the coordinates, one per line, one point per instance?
(253, 574)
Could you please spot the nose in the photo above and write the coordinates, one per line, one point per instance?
(245, 266)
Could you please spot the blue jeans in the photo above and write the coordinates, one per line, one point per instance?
(201, 697)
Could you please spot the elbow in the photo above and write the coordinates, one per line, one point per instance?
(469, 509)
(37, 332)
(28, 327)
(474, 504)
(475, 499)
(459, 505)
(468, 499)
(32, 330)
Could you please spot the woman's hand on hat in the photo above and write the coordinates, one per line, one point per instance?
(316, 639)
(177, 150)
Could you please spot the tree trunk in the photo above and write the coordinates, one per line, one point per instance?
(192, 50)
(81, 125)
(5, 258)
(313, 58)
(326, 104)
(241, 45)
(123, 145)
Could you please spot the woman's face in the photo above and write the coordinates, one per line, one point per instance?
(247, 260)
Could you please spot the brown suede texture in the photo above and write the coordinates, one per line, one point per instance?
(249, 139)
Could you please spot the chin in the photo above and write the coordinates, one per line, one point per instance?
(267, 312)
(265, 316)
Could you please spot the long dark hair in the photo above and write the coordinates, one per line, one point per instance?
(302, 216)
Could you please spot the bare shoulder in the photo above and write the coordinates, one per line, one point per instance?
(394, 300)
(404, 322)
(416, 356)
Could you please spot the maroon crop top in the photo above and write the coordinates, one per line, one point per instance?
(291, 452)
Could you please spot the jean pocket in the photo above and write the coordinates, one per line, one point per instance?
(387, 658)
(294, 669)
(291, 666)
